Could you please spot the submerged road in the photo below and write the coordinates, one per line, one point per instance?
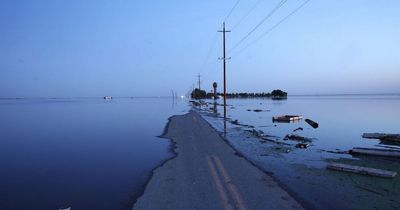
(206, 174)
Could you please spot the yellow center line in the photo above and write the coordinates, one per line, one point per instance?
(231, 187)
(218, 184)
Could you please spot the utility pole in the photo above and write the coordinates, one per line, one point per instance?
(199, 80)
(224, 60)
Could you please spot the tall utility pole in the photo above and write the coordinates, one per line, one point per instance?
(199, 80)
(224, 60)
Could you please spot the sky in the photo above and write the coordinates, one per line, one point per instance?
(75, 48)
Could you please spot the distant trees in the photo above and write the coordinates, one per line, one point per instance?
(279, 94)
(198, 94)
(275, 94)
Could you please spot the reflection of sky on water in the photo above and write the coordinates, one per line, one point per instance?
(342, 120)
(82, 153)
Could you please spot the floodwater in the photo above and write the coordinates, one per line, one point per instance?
(80, 153)
(342, 120)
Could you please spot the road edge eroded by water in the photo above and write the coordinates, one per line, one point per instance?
(207, 173)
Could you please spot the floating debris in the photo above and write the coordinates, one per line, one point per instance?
(302, 145)
(297, 138)
(258, 133)
(298, 129)
(275, 141)
(337, 151)
(236, 122)
(361, 170)
(258, 110)
(382, 136)
(312, 123)
(376, 152)
(388, 147)
(195, 103)
(287, 118)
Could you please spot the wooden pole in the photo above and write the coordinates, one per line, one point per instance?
(224, 60)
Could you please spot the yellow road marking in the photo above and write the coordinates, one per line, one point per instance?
(231, 187)
(218, 184)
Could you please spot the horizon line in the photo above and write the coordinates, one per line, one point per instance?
(307, 94)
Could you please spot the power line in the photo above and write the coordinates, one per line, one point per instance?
(279, 5)
(274, 26)
(230, 12)
(203, 66)
(213, 44)
(247, 14)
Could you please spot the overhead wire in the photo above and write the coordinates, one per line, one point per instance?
(246, 15)
(276, 8)
(231, 11)
(210, 50)
(274, 26)
(214, 40)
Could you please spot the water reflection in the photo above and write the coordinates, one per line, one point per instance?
(341, 122)
(80, 153)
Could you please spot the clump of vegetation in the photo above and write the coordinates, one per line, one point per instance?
(275, 94)
(278, 94)
(198, 94)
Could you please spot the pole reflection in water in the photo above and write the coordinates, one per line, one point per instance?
(224, 126)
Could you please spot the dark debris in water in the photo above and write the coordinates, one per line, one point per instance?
(258, 110)
(297, 138)
(298, 129)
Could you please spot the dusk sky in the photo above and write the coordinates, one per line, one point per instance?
(60, 48)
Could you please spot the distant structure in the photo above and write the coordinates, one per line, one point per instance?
(215, 90)
(107, 97)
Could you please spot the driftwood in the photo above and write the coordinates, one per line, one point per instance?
(382, 136)
(376, 152)
(361, 170)
(298, 129)
(312, 123)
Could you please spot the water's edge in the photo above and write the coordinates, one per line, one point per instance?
(171, 149)
(304, 203)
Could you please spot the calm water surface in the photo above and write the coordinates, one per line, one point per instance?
(80, 153)
(342, 120)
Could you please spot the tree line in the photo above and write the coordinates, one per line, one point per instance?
(275, 94)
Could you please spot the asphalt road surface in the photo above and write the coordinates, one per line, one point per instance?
(207, 174)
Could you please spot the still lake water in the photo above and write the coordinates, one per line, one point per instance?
(342, 120)
(97, 154)
(80, 153)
